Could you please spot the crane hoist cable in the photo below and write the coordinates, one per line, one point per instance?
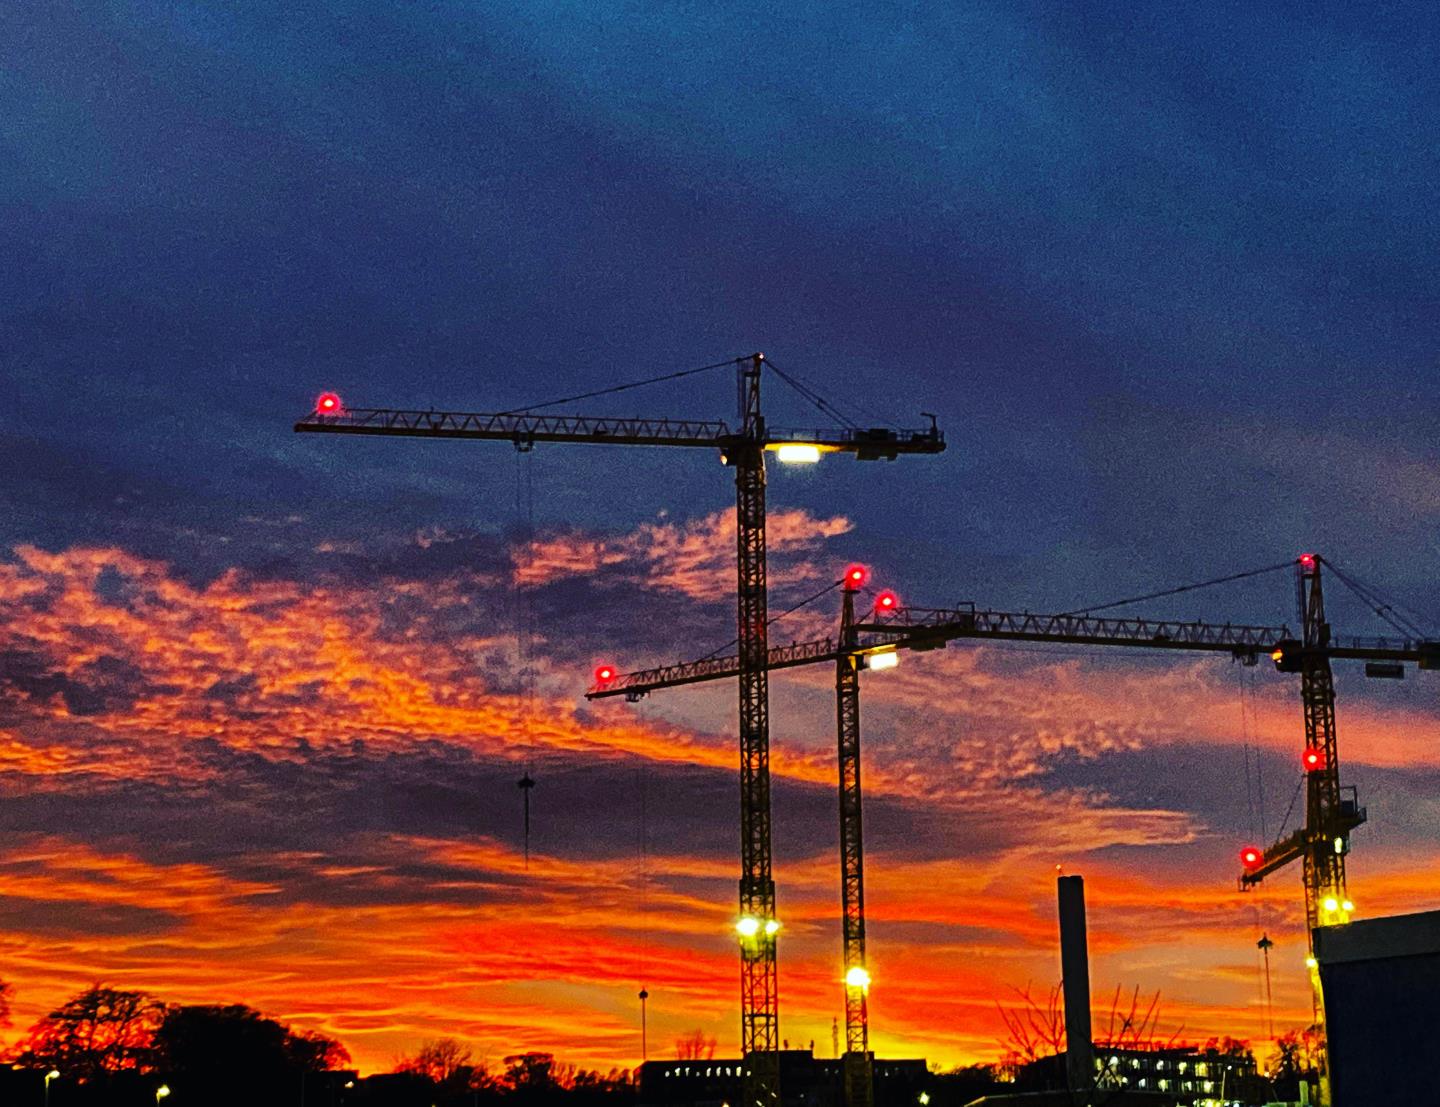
(1255, 803)
(525, 629)
(523, 600)
(643, 851)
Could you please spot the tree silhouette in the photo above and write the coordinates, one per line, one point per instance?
(447, 1064)
(1294, 1061)
(1032, 1031)
(98, 1033)
(536, 1076)
(237, 1055)
(695, 1046)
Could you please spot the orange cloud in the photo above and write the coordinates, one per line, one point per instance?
(124, 674)
(695, 558)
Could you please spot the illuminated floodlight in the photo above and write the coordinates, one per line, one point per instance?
(857, 977)
(772, 927)
(855, 577)
(887, 601)
(604, 674)
(1339, 846)
(1348, 906)
(923, 1099)
(887, 660)
(328, 403)
(1331, 904)
(798, 453)
(1251, 857)
(748, 927)
(1310, 962)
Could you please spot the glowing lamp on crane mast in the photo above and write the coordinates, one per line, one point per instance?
(328, 403)
(887, 601)
(1313, 759)
(1307, 562)
(1251, 857)
(855, 577)
(1286, 656)
(797, 453)
(857, 977)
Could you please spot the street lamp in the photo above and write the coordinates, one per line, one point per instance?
(161, 1092)
(53, 1074)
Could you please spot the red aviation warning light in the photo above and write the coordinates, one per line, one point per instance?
(604, 674)
(855, 577)
(887, 601)
(1313, 759)
(1251, 857)
(1307, 562)
(328, 403)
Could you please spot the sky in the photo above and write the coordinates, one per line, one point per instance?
(1165, 278)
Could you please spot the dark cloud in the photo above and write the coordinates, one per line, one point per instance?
(53, 918)
(229, 220)
(1234, 792)
(100, 686)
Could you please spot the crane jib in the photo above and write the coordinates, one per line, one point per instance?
(876, 443)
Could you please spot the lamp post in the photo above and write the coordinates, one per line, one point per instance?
(53, 1074)
(644, 1040)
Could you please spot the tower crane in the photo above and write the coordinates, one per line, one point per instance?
(1331, 812)
(850, 656)
(743, 448)
(893, 627)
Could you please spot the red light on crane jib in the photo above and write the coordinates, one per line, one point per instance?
(327, 404)
(887, 601)
(604, 674)
(855, 576)
(1251, 857)
(1307, 562)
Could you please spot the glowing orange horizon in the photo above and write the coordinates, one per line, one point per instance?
(550, 956)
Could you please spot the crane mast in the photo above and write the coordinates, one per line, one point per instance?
(759, 984)
(1326, 823)
(858, 1078)
(1322, 843)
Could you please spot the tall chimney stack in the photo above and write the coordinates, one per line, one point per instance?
(1075, 974)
